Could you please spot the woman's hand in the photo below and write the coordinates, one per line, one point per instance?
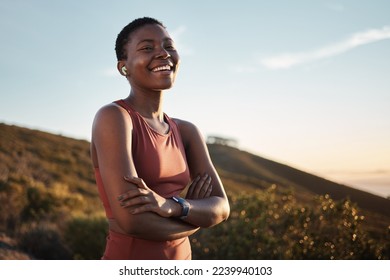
(200, 187)
(143, 199)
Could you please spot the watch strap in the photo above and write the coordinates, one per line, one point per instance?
(185, 206)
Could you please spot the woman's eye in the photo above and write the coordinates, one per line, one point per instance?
(147, 48)
(170, 47)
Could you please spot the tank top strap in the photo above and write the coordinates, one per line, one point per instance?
(133, 114)
(124, 105)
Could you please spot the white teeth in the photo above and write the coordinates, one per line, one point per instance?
(162, 68)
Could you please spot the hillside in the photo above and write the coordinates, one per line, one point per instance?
(251, 168)
(54, 161)
(53, 158)
(46, 178)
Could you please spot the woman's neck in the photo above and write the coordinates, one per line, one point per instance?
(148, 104)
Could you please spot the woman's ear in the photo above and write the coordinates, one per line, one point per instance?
(122, 68)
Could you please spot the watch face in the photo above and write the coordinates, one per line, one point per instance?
(184, 205)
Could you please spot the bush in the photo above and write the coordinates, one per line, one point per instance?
(44, 242)
(271, 225)
(86, 237)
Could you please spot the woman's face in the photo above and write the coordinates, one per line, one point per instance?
(152, 60)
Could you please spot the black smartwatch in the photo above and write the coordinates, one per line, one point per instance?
(185, 206)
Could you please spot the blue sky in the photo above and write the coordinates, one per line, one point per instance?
(304, 83)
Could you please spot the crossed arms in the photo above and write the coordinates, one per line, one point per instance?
(139, 211)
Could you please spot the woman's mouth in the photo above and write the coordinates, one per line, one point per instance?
(162, 68)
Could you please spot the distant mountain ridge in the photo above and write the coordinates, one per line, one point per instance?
(234, 161)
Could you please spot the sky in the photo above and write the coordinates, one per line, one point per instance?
(305, 83)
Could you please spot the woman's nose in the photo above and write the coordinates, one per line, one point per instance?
(163, 53)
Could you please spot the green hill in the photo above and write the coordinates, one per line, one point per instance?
(48, 196)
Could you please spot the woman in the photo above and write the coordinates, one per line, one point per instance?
(144, 160)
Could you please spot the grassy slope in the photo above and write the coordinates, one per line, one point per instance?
(54, 159)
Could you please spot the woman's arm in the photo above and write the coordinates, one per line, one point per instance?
(214, 209)
(111, 151)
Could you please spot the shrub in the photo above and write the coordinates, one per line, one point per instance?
(271, 225)
(44, 242)
(86, 237)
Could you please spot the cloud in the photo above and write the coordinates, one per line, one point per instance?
(284, 61)
(177, 36)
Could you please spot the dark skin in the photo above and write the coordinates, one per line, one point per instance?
(151, 66)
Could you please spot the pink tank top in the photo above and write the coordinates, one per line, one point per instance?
(160, 161)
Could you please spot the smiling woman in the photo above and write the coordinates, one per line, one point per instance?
(154, 174)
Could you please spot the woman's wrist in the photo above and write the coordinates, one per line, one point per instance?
(184, 205)
(175, 208)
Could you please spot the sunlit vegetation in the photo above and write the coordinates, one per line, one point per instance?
(50, 209)
(272, 225)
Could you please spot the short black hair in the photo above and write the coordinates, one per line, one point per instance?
(124, 35)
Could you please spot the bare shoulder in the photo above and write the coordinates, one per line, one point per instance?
(189, 132)
(111, 121)
(109, 111)
(111, 115)
(186, 126)
(187, 129)
(111, 129)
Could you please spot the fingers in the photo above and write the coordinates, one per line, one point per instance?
(142, 209)
(137, 196)
(200, 188)
(137, 181)
(206, 189)
(137, 201)
(133, 197)
(192, 187)
(142, 189)
(142, 199)
(139, 205)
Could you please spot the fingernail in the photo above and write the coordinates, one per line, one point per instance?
(120, 197)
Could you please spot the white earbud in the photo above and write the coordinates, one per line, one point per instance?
(124, 70)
